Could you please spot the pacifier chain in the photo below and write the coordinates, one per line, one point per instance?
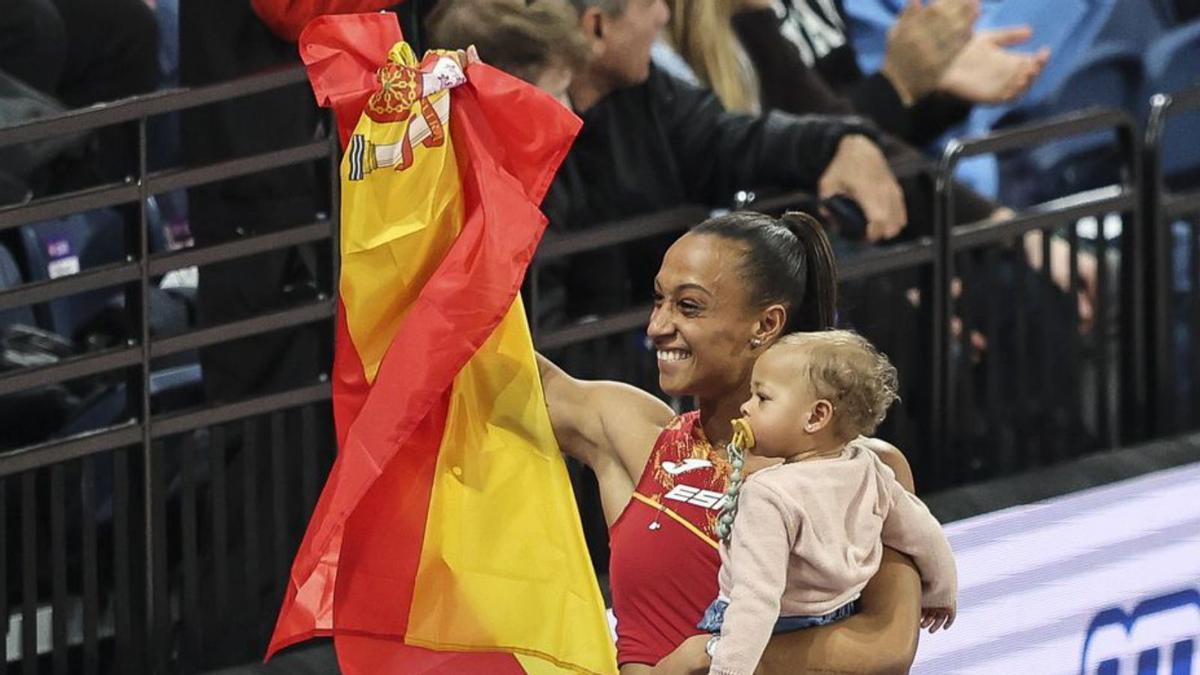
(743, 440)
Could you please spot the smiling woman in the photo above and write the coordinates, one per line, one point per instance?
(725, 292)
(723, 274)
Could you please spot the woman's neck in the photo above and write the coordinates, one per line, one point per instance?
(716, 415)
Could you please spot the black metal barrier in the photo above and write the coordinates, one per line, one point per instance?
(1040, 358)
(1172, 208)
(161, 542)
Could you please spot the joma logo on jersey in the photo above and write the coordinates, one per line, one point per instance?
(690, 495)
(1158, 636)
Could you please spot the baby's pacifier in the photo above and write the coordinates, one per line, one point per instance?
(743, 437)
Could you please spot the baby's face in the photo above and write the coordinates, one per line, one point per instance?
(781, 402)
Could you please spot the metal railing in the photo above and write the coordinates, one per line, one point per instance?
(1116, 336)
(1174, 297)
(170, 533)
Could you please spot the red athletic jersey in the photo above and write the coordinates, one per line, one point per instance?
(664, 562)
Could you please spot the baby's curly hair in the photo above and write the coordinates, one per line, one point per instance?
(849, 371)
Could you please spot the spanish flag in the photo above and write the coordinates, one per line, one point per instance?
(446, 539)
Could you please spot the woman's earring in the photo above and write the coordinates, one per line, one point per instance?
(755, 342)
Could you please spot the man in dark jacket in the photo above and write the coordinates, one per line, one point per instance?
(651, 142)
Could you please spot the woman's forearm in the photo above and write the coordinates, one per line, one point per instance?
(881, 638)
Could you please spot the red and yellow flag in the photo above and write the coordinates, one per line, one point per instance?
(446, 538)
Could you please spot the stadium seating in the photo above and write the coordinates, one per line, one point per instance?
(66, 246)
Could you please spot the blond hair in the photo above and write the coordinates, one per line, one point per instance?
(519, 38)
(845, 368)
(701, 31)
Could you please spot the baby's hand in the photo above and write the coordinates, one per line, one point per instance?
(934, 618)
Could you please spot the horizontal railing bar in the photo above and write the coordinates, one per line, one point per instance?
(66, 204)
(1042, 217)
(177, 179)
(1045, 131)
(1177, 102)
(67, 449)
(155, 103)
(70, 369)
(1176, 205)
(620, 232)
(36, 292)
(239, 248)
(609, 325)
(878, 261)
(187, 421)
(297, 316)
(780, 202)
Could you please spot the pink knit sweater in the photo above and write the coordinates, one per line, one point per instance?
(807, 538)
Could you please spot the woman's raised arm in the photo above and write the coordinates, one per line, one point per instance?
(601, 422)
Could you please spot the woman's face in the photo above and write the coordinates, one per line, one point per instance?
(701, 324)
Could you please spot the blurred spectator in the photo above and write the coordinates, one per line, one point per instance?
(704, 29)
(935, 67)
(221, 40)
(537, 42)
(765, 71)
(33, 43)
(83, 52)
(701, 33)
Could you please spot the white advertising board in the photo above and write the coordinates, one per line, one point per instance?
(1100, 582)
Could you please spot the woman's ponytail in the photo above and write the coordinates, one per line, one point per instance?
(788, 261)
(818, 311)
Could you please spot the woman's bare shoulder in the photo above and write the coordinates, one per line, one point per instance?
(632, 421)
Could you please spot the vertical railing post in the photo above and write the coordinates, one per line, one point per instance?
(1158, 294)
(154, 552)
(1132, 388)
(941, 371)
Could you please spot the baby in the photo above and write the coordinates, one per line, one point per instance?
(809, 533)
